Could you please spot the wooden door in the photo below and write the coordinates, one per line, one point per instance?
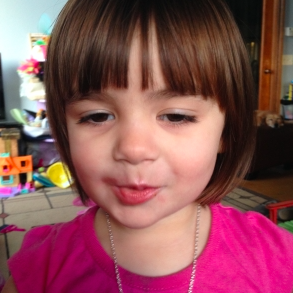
(270, 70)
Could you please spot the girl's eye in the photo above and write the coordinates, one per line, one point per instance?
(96, 118)
(177, 118)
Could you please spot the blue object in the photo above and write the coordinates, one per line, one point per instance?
(45, 24)
(43, 180)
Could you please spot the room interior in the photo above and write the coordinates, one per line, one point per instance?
(271, 182)
(275, 183)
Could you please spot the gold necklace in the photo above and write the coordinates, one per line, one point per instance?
(194, 262)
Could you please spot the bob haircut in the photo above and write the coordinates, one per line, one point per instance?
(201, 52)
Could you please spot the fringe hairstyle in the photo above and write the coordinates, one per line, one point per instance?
(201, 52)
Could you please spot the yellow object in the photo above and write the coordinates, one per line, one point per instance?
(59, 174)
(38, 184)
(290, 91)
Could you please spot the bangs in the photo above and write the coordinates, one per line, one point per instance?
(100, 58)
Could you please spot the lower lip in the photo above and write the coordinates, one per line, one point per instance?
(132, 196)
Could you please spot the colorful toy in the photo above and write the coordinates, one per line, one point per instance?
(10, 228)
(30, 67)
(59, 174)
(15, 171)
(20, 189)
(43, 179)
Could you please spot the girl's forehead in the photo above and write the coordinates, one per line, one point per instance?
(135, 70)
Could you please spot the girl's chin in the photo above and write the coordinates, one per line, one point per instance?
(133, 217)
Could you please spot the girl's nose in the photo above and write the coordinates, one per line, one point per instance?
(135, 144)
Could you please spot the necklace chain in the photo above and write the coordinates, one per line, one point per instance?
(195, 254)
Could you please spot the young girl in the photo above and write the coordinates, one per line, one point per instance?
(150, 103)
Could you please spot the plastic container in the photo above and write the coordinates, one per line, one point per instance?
(59, 175)
(287, 109)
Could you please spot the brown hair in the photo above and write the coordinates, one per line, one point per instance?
(200, 49)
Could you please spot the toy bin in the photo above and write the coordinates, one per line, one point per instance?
(287, 109)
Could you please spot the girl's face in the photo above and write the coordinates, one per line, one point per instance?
(144, 155)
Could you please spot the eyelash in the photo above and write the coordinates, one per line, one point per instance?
(90, 118)
(178, 119)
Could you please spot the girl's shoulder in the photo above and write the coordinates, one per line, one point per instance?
(41, 235)
(45, 249)
(251, 226)
(249, 222)
(260, 247)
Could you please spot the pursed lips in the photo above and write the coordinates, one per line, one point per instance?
(132, 194)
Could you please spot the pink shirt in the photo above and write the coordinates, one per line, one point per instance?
(245, 253)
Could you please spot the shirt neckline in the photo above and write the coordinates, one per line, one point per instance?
(177, 280)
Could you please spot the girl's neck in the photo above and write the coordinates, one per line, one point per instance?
(164, 248)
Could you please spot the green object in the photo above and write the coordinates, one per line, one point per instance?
(41, 169)
(17, 115)
(287, 225)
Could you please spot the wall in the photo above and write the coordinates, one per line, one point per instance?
(287, 74)
(18, 18)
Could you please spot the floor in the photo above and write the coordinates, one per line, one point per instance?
(53, 205)
(45, 206)
(276, 183)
